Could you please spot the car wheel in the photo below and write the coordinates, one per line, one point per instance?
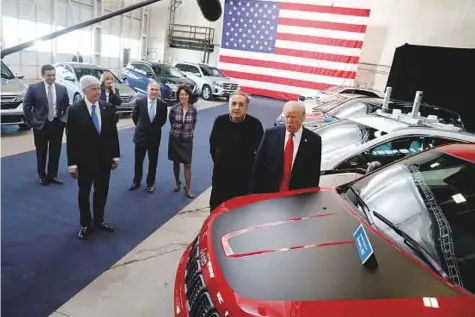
(206, 93)
(77, 98)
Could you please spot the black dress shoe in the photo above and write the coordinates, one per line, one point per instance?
(150, 189)
(83, 233)
(134, 187)
(104, 226)
(43, 182)
(55, 180)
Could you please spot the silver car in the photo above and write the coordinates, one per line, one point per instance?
(69, 73)
(12, 93)
(353, 147)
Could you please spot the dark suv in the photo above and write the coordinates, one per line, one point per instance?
(138, 74)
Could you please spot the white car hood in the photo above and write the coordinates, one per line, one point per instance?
(220, 79)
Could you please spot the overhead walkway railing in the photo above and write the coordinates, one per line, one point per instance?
(191, 37)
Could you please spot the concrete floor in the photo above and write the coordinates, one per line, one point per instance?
(141, 283)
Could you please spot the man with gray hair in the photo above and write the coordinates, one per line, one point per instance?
(93, 151)
(289, 156)
(233, 144)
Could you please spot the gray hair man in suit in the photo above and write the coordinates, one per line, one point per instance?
(93, 149)
(45, 107)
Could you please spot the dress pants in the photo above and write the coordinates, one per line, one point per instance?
(99, 176)
(140, 152)
(48, 142)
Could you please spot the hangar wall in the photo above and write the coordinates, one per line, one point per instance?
(392, 24)
(24, 20)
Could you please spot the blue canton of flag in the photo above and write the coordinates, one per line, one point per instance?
(250, 25)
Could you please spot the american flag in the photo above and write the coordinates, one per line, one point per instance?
(281, 49)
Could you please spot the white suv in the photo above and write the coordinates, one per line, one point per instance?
(211, 80)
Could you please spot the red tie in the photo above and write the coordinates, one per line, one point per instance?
(288, 157)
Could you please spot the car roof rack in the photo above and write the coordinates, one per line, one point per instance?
(413, 118)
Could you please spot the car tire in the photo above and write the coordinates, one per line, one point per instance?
(77, 98)
(206, 93)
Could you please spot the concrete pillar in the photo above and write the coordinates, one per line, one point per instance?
(97, 33)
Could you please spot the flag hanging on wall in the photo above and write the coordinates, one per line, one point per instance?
(281, 49)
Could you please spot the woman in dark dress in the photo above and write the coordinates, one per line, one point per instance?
(183, 118)
(110, 93)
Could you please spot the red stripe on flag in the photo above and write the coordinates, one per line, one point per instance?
(269, 93)
(335, 26)
(317, 55)
(277, 80)
(319, 40)
(289, 67)
(324, 9)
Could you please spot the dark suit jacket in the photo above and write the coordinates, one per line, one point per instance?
(269, 163)
(85, 146)
(35, 104)
(148, 133)
(114, 100)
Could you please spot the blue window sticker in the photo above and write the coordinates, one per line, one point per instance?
(362, 244)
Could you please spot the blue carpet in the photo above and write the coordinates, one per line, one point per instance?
(43, 262)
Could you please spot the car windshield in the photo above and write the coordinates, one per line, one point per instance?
(6, 72)
(96, 72)
(168, 71)
(431, 198)
(344, 135)
(211, 71)
(349, 109)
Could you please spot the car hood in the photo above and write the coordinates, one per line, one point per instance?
(12, 87)
(178, 81)
(301, 248)
(125, 90)
(220, 79)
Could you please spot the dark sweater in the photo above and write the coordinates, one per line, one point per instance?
(233, 146)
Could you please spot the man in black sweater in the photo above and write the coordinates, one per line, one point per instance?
(233, 144)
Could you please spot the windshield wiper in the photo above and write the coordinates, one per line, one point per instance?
(363, 204)
(413, 244)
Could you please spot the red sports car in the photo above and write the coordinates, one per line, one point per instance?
(399, 242)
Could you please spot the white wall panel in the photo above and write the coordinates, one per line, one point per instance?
(392, 23)
(28, 19)
(158, 29)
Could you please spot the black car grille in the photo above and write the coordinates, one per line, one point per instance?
(10, 102)
(228, 86)
(126, 99)
(199, 302)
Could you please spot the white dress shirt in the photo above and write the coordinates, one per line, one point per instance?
(107, 96)
(296, 138)
(98, 113)
(53, 91)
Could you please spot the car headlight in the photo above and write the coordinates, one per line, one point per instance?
(20, 107)
(216, 83)
(19, 97)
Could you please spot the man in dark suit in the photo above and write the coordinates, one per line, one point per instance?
(93, 151)
(289, 156)
(149, 116)
(45, 109)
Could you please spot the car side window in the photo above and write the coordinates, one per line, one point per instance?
(181, 67)
(347, 91)
(432, 142)
(365, 93)
(194, 70)
(384, 153)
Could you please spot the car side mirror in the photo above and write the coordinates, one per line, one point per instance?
(19, 75)
(198, 74)
(372, 166)
(149, 74)
(69, 77)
